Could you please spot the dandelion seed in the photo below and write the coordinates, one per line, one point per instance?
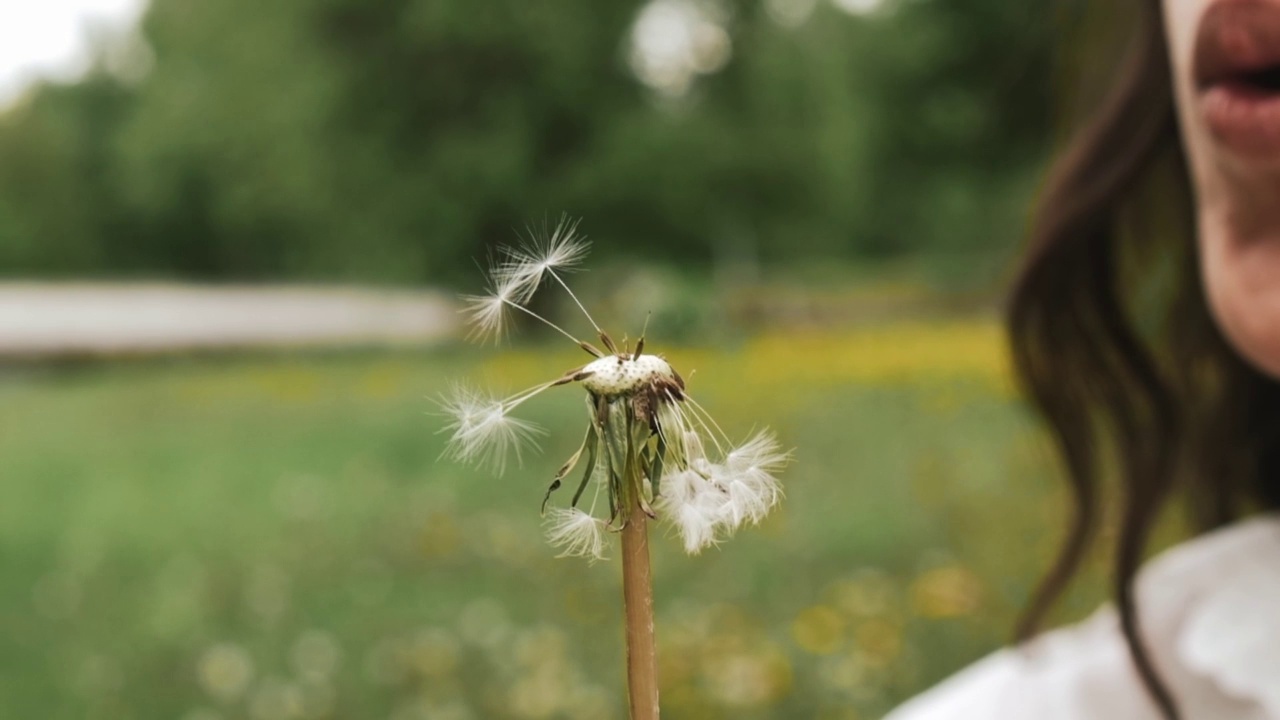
(482, 430)
(576, 533)
(488, 314)
(541, 254)
(544, 252)
(749, 479)
(683, 487)
(744, 502)
(692, 510)
(761, 452)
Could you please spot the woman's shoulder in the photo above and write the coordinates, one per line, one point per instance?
(1077, 672)
(1210, 611)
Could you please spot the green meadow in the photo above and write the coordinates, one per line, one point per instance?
(273, 537)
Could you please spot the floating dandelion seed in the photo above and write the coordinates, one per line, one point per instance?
(649, 451)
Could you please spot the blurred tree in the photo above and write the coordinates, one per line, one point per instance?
(59, 209)
(394, 140)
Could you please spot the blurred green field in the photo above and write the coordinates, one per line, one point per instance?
(272, 537)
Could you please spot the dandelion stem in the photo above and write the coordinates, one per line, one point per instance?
(576, 301)
(637, 600)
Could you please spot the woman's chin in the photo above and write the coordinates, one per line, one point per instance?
(1246, 306)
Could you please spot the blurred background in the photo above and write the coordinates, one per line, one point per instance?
(231, 238)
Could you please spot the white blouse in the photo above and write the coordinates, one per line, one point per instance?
(1210, 611)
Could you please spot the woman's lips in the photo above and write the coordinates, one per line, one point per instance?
(1237, 70)
(1244, 118)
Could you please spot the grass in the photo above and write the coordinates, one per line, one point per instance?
(272, 537)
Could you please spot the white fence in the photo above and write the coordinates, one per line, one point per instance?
(52, 319)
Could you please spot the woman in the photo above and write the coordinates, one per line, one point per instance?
(1146, 328)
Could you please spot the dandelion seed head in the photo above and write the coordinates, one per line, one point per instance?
(615, 375)
(483, 431)
(708, 486)
(576, 533)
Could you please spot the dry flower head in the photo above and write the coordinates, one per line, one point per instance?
(647, 440)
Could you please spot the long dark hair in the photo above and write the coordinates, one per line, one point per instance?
(1113, 342)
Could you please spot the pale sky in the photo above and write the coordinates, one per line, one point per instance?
(50, 38)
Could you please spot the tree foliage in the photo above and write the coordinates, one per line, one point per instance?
(394, 140)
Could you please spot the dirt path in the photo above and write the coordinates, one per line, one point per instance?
(57, 319)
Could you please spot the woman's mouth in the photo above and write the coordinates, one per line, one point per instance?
(1237, 73)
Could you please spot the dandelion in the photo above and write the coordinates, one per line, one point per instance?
(650, 450)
